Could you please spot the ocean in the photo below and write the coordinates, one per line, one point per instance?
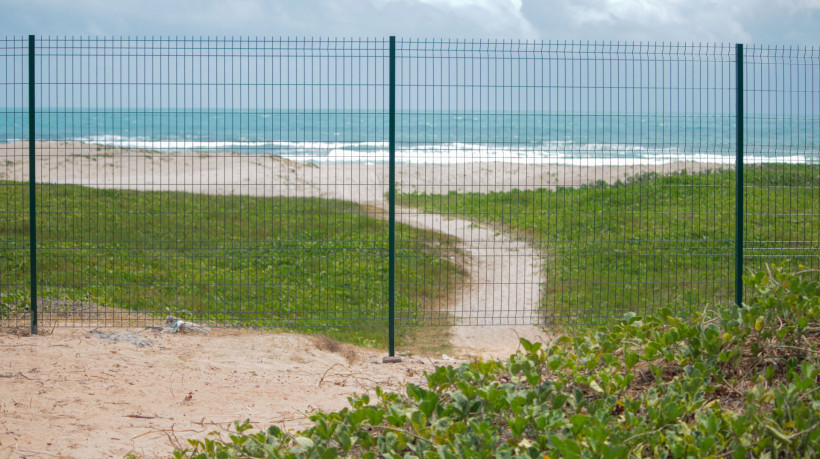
(573, 139)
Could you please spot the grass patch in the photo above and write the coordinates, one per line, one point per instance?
(652, 241)
(306, 263)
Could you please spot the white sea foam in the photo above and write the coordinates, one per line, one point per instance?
(558, 153)
(565, 153)
(166, 145)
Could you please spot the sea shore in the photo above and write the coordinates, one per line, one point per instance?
(268, 175)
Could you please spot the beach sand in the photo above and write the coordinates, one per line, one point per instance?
(68, 393)
(497, 304)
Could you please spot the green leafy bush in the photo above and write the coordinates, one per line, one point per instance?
(725, 383)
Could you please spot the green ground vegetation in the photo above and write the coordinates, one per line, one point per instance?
(725, 382)
(306, 263)
(650, 241)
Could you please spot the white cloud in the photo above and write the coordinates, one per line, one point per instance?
(771, 21)
(664, 20)
(620, 10)
(499, 18)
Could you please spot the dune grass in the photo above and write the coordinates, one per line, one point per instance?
(652, 241)
(301, 263)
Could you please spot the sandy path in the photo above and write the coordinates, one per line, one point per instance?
(500, 301)
(505, 274)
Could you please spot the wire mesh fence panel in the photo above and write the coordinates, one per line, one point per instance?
(247, 181)
(584, 180)
(782, 152)
(186, 177)
(14, 192)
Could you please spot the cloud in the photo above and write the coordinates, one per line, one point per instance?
(415, 18)
(475, 18)
(789, 21)
(613, 11)
(666, 20)
(678, 20)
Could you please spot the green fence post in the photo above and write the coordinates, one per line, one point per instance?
(739, 180)
(32, 203)
(391, 295)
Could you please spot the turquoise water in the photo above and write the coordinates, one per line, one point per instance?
(435, 137)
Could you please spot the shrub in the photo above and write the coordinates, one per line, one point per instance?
(728, 382)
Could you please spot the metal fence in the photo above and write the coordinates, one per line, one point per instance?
(394, 182)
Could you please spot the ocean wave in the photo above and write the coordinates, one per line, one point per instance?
(166, 145)
(561, 152)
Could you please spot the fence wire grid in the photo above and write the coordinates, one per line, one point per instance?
(335, 183)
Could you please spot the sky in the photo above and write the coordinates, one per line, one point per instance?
(787, 22)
